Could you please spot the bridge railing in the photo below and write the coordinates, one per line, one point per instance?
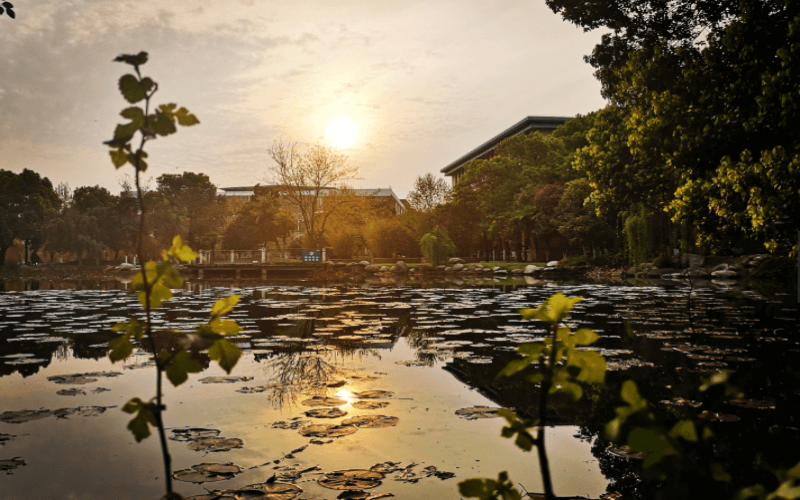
(260, 256)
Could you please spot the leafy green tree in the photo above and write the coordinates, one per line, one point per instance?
(577, 220)
(436, 246)
(26, 201)
(259, 222)
(188, 205)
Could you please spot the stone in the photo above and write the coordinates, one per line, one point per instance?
(458, 267)
(126, 266)
(517, 271)
(352, 264)
(631, 271)
(364, 263)
(696, 273)
(455, 260)
(448, 270)
(401, 266)
(479, 267)
(440, 267)
(724, 273)
(657, 272)
(530, 269)
(472, 267)
(552, 263)
(500, 271)
(340, 264)
(371, 268)
(692, 260)
(719, 267)
(496, 268)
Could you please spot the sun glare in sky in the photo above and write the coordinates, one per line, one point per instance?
(342, 131)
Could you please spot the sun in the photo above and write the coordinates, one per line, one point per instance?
(342, 131)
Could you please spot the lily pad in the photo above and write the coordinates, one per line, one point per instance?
(323, 401)
(362, 495)
(268, 491)
(6, 437)
(18, 417)
(292, 423)
(10, 464)
(351, 479)
(81, 411)
(225, 379)
(81, 378)
(327, 430)
(326, 413)
(71, 392)
(207, 472)
(193, 433)
(370, 405)
(215, 444)
(373, 394)
(474, 412)
(371, 421)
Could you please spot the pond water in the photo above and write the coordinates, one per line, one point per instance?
(402, 360)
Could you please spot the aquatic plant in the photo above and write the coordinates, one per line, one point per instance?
(173, 351)
(560, 367)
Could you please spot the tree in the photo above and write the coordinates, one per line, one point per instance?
(309, 180)
(703, 106)
(577, 220)
(259, 222)
(26, 199)
(436, 246)
(429, 192)
(190, 206)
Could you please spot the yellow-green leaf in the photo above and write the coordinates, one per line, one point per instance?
(224, 326)
(180, 366)
(118, 157)
(585, 336)
(224, 305)
(225, 354)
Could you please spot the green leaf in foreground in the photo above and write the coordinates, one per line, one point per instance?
(224, 353)
(139, 425)
(131, 89)
(489, 489)
(180, 366)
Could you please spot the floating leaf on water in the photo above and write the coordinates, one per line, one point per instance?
(193, 433)
(99, 390)
(327, 430)
(26, 361)
(624, 452)
(18, 417)
(71, 392)
(682, 402)
(207, 472)
(10, 464)
(351, 479)
(371, 421)
(225, 379)
(757, 404)
(719, 417)
(323, 401)
(215, 444)
(373, 394)
(294, 423)
(326, 413)
(81, 378)
(480, 360)
(6, 437)
(415, 362)
(370, 405)
(81, 411)
(479, 411)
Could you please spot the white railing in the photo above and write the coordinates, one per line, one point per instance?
(259, 256)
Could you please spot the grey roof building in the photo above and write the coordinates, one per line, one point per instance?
(542, 124)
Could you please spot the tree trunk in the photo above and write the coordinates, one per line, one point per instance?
(3, 255)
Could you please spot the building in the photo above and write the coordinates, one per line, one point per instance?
(542, 124)
(385, 195)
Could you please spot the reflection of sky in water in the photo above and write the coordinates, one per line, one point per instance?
(301, 342)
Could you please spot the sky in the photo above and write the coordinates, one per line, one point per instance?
(425, 81)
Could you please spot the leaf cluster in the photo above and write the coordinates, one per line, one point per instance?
(153, 289)
(135, 88)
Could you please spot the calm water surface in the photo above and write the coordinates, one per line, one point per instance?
(434, 350)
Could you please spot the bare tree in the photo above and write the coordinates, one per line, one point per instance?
(311, 182)
(428, 193)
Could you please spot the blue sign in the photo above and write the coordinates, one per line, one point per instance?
(312, 256)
